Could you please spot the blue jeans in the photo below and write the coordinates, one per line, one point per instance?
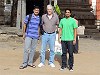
(48, 39)
(29, 50)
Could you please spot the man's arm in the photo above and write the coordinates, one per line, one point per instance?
(25, 26)
(59, 35)
(75, 35)
(39, 30)
(24, 30)
(57, 23)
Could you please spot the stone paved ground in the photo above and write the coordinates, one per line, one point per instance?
(87, 62)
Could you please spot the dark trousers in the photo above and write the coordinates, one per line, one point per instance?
(76, 46)
(67, 47)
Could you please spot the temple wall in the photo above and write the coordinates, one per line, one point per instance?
(1, 12)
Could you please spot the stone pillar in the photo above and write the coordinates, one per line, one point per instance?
(1, 12)
(21, 13)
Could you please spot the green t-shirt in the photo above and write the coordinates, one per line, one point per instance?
(67, 26)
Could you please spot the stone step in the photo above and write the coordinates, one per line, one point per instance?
(10, 31)
(90, 26)
(96, 36)
(84, 36)
(91, 31)
(82, 9)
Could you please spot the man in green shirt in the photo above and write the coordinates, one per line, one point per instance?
(67, 34)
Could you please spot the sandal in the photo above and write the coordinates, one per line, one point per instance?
(33, 66)
(22, 67)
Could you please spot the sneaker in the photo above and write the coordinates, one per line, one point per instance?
(22, 67)
(52, 65)
(40, 65)
(71, 69)
(61, 69)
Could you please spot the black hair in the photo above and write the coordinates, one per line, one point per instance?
(68, 9)
(36, 7)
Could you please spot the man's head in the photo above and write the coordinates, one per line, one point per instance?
(67, 12)
(36, 10)
(49, 9)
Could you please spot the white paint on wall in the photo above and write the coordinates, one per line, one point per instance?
(94, 6)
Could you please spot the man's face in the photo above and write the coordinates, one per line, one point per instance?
(67, 13)
(49, 11)
(36, 11)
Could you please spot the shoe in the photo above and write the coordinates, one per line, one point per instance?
(22, 67)
(33, 66)
(52, 65)
(40, 65)
(62, 68)
(71, 69)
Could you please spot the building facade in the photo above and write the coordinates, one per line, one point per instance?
(81, 8)
(25, 7)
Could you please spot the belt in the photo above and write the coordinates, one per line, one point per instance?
(49, 33)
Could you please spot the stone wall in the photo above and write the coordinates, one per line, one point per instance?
(1, 12)
(82, 9)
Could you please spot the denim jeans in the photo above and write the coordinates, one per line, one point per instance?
(29, 50)
(48, 39)
(67, 46)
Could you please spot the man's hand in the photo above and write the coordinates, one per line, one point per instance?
(39, 37)
(24, 30)
(59, 40)
(59, 35)
(24, 36)
(74, 42)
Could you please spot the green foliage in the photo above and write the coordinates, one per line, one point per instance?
(57, 9)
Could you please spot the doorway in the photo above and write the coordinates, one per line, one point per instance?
(30, 5)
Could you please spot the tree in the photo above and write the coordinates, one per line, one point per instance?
(14, 13)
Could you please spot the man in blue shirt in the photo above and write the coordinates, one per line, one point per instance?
(30, 34)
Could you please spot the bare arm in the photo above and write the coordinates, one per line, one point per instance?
(39, 30)
(75, 35)
(59, 34)
(24, 30)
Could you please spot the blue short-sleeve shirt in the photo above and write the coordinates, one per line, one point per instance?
(32, 27)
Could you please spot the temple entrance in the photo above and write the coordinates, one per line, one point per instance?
(30, 5)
